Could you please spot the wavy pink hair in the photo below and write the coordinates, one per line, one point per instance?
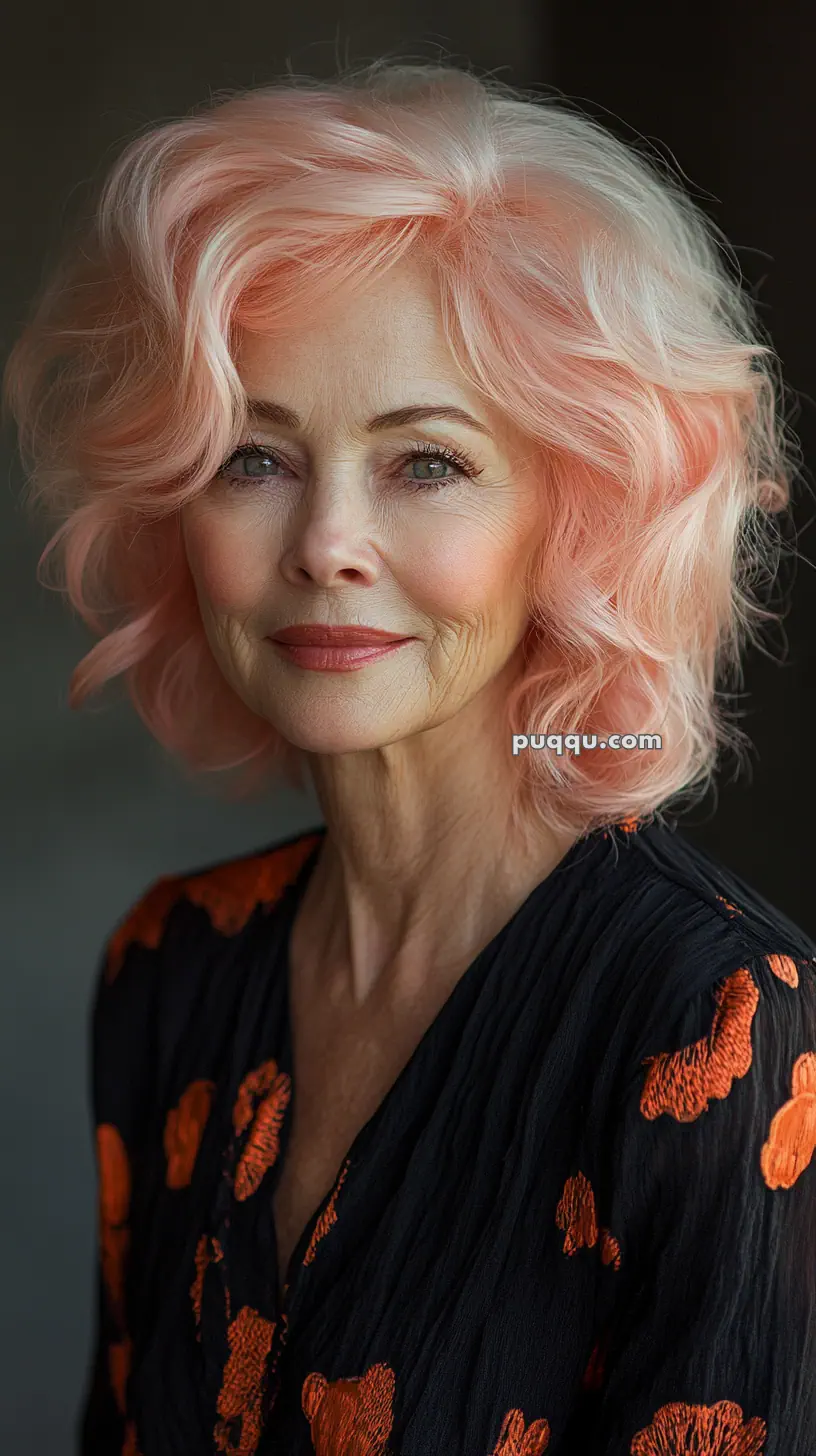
(581, 290)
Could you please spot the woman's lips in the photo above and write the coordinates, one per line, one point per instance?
(321, 657)
(335, 634)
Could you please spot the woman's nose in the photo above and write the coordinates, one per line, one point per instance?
(329, 540)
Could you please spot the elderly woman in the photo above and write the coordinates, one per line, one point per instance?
(412, 429)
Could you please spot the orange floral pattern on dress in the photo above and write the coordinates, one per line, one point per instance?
(120, 1354)
(516, 1439)
(610, 1249)
(114, 1174)
(183, 1130)
(280, 1343)
(113, 1164)
(144, 922)
(682, 1083)
(240, 1398)
(792, 1135)
(256, 1084)
(593, 1376)
(575, 1213)
(229, 893)
(327, 1218)
(131, 1444)
(115, 1247)
(350, 1417)
(208, 1251)
(713, 1430)
(263, 1144)
(784, 966)
(629, 825)
(728, 905)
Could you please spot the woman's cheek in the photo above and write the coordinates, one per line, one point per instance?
(455, 573)
(227, 569)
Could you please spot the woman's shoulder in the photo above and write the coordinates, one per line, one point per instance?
(682, 953)
(713, 967)
(684, 904)
(169, 976)
(681, 865)
(217, 898)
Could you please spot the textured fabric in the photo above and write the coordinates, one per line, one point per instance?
(582, 1221)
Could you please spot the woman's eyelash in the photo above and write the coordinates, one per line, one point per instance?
(421, 450)
(424, 450)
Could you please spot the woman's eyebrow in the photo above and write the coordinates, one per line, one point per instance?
(279, 414)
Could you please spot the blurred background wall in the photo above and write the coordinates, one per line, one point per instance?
(92, 811)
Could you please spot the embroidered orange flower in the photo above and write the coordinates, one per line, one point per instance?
(120, 1355)
(239, 1405)
(229, 893)
(682, 1083)
(113, 1165)
(114, 1174)
(629, 825)
(517, 1440)
(255, 1085)
(283, 1335)
(183, 1130)
(713, 1430)
(350, 1417)
(575, 1213)
(114, 1251)
(131, 1444)
(610, 1249)
(144, 922)
(785, 967)
(208, 1251)
(327, 1218)
(728, 905)
(792, 1134)
(263, 1144)
(592, 1378)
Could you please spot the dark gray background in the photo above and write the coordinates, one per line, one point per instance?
(92, 810)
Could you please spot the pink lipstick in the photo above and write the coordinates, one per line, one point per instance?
(326, 648)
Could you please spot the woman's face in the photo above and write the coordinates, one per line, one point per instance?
(332, 521)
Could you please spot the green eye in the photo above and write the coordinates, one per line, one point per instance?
(257, 463)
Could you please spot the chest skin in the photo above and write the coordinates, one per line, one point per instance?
(345, 1062)
(337, 1092)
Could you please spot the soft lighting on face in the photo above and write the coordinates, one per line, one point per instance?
(379, 493)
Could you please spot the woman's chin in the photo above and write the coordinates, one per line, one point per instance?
(312, 737)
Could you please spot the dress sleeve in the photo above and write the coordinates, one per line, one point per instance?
(707, 1318)
(121, 1021)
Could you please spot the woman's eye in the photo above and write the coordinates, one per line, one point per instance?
(248, 461)
(435, 463)
(437, 466)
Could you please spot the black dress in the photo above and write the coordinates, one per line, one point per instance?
(581, 1222)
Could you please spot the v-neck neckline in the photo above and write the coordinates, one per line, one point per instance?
(539, 896)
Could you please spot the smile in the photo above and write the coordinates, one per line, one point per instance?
(319, 657)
